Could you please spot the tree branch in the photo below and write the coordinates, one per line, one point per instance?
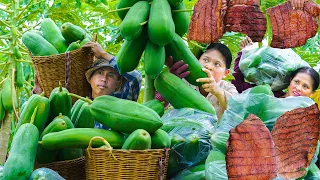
(7, 36)
(5, 10)
(5, 23)
(22, 11)
(6, 52)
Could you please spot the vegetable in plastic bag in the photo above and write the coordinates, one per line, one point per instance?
(45, 174)
(216, 166)
(190, 130)
(271, 66)
(194, 173)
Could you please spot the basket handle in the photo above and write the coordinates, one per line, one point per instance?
(99, 138)
(104, 141)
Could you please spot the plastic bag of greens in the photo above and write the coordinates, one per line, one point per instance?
(190, 132)
(193, 173)
(271, 66)
(216, 166)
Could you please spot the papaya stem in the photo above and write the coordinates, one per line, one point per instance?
(80, 97)
(117, 10)
(42, 94)
(39, 142)
(60, 87)
(143, 23)
(28, 83)
(182, 10)
(13, 93)
(34, 115)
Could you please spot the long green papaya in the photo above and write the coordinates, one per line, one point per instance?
(124, 4)
(128, 57)
(179, 94)
(191, 147)
(20, 74)
(131, 26)
(127, 117)
(73, 46)
(6, 96)
(68, 153)
(84, 118)
(72, 33)
(138, 140)
(75, 110)
(43, 105)
(45, 156)
(161, 28)
(156, 105)
(160, 139)
(60, 102)
(154, 58)
(179, 51)
(37, 45)
(52, 34)
(181, 19)
(20, 162)
(149, 90)
(80, 138)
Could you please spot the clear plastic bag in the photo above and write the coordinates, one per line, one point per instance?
(271, 66)
(195, 127)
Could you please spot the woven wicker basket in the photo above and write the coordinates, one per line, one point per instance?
(52, 69)
(108, 163)
(70, 169)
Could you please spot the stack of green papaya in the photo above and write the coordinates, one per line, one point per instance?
(52, 40)
(59, 131)
(155, 28)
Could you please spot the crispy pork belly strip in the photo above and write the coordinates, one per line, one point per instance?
(247, 19)
(206, 24)
(295, 147)
(293, 27)
(250, 151)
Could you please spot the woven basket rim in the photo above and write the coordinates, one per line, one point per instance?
(52, 55)
(65, 161)
(124, 150)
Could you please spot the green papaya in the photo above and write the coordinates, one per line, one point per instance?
(6, 96)
(138, 140)
(19, 74)
(161, 27)
(20, 162)
(156, 105)
(43, 105)
(160, 139)
(60, 102)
